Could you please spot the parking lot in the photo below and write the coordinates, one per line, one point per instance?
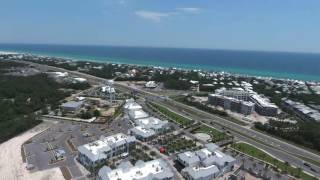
(57, 146)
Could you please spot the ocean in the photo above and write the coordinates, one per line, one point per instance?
(300, 66)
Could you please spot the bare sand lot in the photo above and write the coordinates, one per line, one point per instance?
(12, 166)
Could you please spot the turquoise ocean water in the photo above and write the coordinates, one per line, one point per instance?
(301, 66)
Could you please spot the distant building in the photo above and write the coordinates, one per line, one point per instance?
(235, 105)
(79, 80)
(131, 105)
(155, 169)
(236, 93)
(108, 89)
(301, 110)
(151, 84)
(137, 114)
(106, 148)
(72, 106)
(263, 106)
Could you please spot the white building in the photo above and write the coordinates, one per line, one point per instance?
(137, 114)
(153, 123)
(263, 106)
(155, 169)
(151, 84)
(206, 163)
(105, 148)
(108, 89)
(79, 80)
(142, 133)
(131, 105)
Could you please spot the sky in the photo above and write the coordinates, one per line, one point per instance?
(268, 25)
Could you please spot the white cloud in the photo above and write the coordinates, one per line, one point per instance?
(158, 16)
(153, 16)
(192, 10)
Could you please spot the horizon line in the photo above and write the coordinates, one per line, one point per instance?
(163, 47)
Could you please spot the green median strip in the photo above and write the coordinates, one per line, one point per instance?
(284, 167)
(172, 115)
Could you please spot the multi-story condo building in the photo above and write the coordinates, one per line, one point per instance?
(104, 149)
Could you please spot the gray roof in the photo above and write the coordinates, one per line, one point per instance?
(211, 147)
(72, 104)
(103, 172)
(189, 158)
(202, 172)
(220, 159)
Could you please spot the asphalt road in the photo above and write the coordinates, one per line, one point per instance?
(276, 147)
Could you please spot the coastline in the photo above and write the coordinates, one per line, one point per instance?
(155, 63)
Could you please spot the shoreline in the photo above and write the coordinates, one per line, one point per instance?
(208, 68)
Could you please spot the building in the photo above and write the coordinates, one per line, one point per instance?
(247, 107)
(151, 84)
(153, 123)
(134, 110)
(155, 169)
(104, 149)
(108, 89)
(206, 163)
(304, 112)
(137, 114)
(72, 106)
(263, 106)
(131, 105)
(236, 93)
(230, 103)
(188, 159)
(79, 80)
(200, 173)
(142, 133)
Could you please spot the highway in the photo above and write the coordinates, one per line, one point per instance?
(280, 149)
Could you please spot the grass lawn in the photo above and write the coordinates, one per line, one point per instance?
(214, 133)
(180, 144)
(259, 154)
(172, 115)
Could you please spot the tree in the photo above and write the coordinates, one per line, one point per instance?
(96, 113)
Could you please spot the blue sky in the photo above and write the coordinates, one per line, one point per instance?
(281, 25)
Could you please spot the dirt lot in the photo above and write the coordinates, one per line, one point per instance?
(12, 166)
